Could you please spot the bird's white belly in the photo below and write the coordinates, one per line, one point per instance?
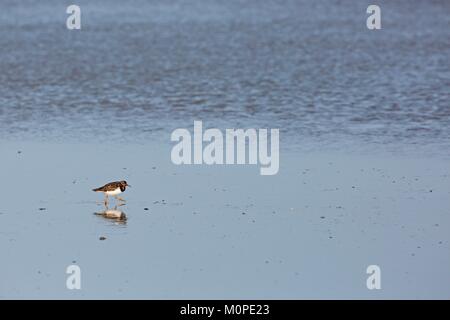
(114, 192)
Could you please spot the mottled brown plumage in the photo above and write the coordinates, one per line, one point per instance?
(113, 186)
(113, 189)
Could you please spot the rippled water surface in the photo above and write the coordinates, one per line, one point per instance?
(311, 68)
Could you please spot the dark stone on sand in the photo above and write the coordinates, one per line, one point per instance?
(102, 238)
(322, 217)
(146, 209)
(42, 209)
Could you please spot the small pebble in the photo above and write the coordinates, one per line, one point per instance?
(102, 238)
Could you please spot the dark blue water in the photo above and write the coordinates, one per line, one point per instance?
(311, 68)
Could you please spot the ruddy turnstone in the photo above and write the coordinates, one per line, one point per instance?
(113, 189)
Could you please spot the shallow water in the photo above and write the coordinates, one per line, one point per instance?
(310, 68)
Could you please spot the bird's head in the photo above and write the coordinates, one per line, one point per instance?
(124, 184)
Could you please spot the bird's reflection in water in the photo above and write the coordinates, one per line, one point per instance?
(114, 215)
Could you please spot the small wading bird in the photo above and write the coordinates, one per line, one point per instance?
(113, 189)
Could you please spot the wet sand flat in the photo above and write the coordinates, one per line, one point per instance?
(221, 231)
